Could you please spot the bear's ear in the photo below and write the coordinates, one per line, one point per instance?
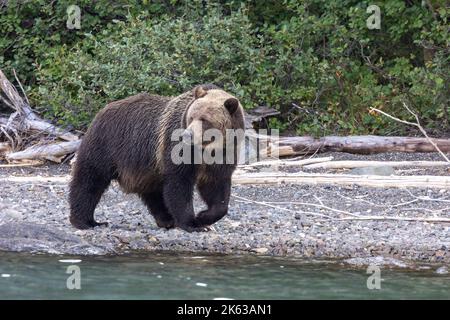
(232, 105)
(199, 92)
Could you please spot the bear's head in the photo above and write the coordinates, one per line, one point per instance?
(212, 111)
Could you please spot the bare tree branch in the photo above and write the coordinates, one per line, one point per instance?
(417, 125)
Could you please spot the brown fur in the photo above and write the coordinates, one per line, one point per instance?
(130, 141)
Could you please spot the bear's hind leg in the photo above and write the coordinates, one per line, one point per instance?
(86, 189)
(155, 203)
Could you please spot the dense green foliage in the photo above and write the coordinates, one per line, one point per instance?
(314, 60)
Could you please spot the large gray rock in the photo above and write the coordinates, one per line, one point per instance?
(31, 237)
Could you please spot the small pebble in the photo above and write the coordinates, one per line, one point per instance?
(201, 284)
(442, 270)
(261, 250)
(70, 260)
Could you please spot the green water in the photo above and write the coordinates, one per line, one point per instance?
(184, 276)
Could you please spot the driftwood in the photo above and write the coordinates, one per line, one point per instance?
(288, 163)
(442, 182)
(290, 146)
(363, 164)
(53, 152)
(53, 180)
(415, 124)
(23, 123)
(27, 163)
(337, 213)
(24, 119)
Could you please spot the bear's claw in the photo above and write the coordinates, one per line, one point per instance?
(194, 228)
(87, 225)
(170, 224)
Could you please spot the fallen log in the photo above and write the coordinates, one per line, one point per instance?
(28, 163)
(442, 182)
(45, 127)
(415, 124)
(288, 163)
(364, 164)
(24, 123)
(54, 180)
(35, 126)
(24, 119)
(51, 152)
(350, 215)
(290, 146)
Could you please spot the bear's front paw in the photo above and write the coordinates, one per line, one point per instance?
(168, 224)
(193, 228)
(202, 218)
(83, 225)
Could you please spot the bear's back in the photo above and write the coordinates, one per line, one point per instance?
(124, 135)
(137, 103)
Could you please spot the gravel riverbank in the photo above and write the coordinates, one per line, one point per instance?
(311, 221)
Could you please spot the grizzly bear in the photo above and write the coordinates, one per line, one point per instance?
(131, 141)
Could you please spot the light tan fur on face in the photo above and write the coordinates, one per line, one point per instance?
(211, 100)
(197, 127)
(210, 107)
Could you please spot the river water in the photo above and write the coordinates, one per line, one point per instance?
(187, 276)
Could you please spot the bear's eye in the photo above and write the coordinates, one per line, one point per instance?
(205, 121)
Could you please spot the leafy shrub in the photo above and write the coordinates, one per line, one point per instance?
(316, 61)
(333, 68)
(166, 57)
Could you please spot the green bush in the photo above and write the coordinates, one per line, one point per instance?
(166, 57)
(327, 62)
(314, 60)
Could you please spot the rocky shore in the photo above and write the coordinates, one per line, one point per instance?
(310, 221)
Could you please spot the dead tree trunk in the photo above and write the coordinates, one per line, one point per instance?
(24, 122)
(24, 119)
(53, 152)
(289, 146)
